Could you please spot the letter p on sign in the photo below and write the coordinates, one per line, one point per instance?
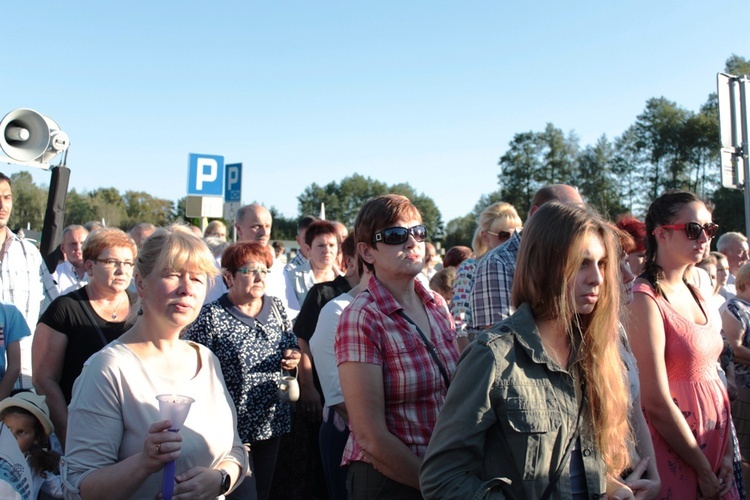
(205, 175)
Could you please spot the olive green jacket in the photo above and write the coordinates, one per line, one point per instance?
(509, 415)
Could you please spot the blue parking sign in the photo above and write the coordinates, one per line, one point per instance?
(205, 175)
(233, 184)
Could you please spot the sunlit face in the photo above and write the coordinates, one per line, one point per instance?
(255, 225)
(174, 296)
(322, 253)
(627, 279)
(404, 260)
(22, 427)
(722, 272)
(737, 255)
(218, 232)
(711, 271)
(72, 246)
(249, 281)
(590, 275)
(6, 203)
(675, 241)
(636, 261)
(113, 268)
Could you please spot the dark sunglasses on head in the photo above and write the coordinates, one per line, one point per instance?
(693, 229)
(398, 235)
(503, 235)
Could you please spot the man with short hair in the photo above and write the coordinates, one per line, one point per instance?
(70, 274)
(25, 280)
(493, 280)
(253, 223)
(734, 246)
(301, 256)
(141, 231)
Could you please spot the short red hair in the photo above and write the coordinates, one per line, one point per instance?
(636, 229)
(237, 255)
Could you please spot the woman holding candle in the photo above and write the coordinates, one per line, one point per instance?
(116, 443)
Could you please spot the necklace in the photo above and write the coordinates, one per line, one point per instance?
(117, 306)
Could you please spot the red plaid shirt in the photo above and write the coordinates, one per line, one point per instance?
(372, 331)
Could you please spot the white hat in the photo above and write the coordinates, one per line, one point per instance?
(33, 403)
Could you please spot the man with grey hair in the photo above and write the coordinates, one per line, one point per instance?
(71, 275)
(734, 246)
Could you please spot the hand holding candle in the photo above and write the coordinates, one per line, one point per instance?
(174, 408)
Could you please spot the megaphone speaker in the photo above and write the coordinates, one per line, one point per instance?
(26, 135)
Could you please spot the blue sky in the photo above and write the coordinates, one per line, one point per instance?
(424, 92)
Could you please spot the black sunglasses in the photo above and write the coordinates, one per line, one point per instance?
(693, 229)
(398, 235)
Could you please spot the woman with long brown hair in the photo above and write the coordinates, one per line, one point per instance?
(538, 405)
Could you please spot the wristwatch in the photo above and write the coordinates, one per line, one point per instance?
(226, 481)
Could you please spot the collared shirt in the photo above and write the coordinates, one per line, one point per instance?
(250, 350)
(493, 281)
(26, 283)
(509, 414)
(297, 261)
(372, 330)
(67, 278)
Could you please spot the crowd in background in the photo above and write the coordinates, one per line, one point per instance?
(566, 356)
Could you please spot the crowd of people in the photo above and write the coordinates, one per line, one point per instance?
(564, 356)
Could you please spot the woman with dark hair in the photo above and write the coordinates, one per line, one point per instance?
(456, 255)
(396, 350)
(676, 338)
(250, 334)
(80, 323)
(118, 444)
(538, 406)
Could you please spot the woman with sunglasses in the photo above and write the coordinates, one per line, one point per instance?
(676, 337)
(250, 334)
(497, 223)
(80, 323)
(396, 350)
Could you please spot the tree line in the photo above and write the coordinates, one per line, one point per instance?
(668, 147)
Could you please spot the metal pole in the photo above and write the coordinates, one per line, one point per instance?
(743, 82)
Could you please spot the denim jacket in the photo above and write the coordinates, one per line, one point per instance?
(509, 415)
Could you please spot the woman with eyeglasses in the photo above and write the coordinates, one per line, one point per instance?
(396, 351)
(80, 323)
(497, 223)
(250, 334)
(675, 335)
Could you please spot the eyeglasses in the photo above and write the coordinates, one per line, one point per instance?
(503, 235)
(693, 229)
(126, 265)
(262, 270)
(398, 235)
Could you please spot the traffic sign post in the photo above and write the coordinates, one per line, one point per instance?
(205, 186)
(733, 123)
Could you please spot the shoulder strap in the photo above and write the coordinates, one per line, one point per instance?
(430, 348)
(81, 301)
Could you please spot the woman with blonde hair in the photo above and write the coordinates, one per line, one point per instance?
(538, 405)
(496, 225)
(117, 445)
(676, 338)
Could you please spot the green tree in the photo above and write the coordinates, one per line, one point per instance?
(595, 178)
(558, 156)
(142, 207)
(78, 209)
(460, 231)
(737, 65)
(519, 171)
(29, 202)
(108, 205)
(284, 228)
(344, 200)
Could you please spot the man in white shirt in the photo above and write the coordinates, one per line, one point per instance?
(71, 274)
(25, 280)
(734, 246)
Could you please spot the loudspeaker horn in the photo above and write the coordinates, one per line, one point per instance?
(26, 135)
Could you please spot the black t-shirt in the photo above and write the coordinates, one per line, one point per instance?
(307, 319)
(66, 315)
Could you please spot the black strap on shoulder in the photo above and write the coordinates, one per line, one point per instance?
(430, 348)
(81, 301)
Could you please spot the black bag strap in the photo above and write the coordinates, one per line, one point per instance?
(81, 301)
(430, 348)
(566, 457)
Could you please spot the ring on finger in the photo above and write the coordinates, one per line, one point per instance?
(158, 449)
